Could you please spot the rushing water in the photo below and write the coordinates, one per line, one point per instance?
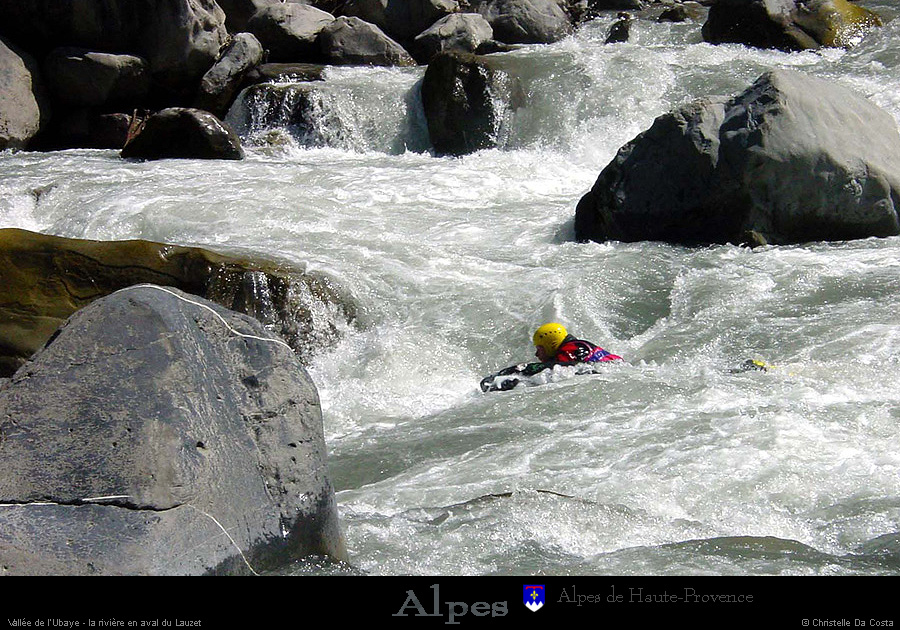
(667, 464)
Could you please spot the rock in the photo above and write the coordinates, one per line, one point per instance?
(620, 30)
(792, 159)
(461, 32)
(160, 434)
(23, 106)
(47, 278)
(285, 71)
(788, 24)
(289, 31)
(460, 95)
(676, 13)
(84, 129)
(221, 83)
(83, 78)
(351, 41)
(401, 20)
(525, 21)
(179, 132)
(239, 12)
(179, 38)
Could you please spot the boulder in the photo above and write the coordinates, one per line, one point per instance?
(221, 83)
(180, 132)
(84, 129)
(23, 106)
(352, 41)
(46, 279)
(461, 32)
(525, 21)
(401, 20)
(83, 78)
(239, 12)
(160, 434)
(791, 159)
(269, 72)
(464, 97)
(788, 24)
(620, 30)
(288, 31)
(179, 38)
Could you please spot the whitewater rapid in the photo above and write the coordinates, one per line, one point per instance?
(666, 464)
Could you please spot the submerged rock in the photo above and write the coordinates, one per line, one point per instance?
(788, 24)
(47, 278)
(791, 159)
(181, 132)
(160, 434)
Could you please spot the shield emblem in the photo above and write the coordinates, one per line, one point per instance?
(533, 597)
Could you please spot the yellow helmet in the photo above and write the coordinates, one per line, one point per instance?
(550, 337)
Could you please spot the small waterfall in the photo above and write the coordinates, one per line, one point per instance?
(306, 310)
(353, 109)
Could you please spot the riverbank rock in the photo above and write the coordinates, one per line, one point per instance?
(466, 99)
(792, 159)
(288, 31)
(788, 24)
(23, 106)
(160, 434)
(352, 41)
(525, 21)
(179, 38)
(46, 279)
(221, 83)
(180, 132)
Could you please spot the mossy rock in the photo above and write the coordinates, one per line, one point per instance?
(47, 278)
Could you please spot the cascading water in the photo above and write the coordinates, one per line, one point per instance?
(666, 464)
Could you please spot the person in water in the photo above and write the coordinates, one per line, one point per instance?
(554, 345)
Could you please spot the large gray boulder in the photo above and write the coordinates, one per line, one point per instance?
(239, 12)
(461, 32)
(179, 38)
(83, 78)
(401, 20)
(350, 41)
(288, 31)
(788, 24)
(221, 83)
(525, 21)
(23, 106)
(791, 159)
(184, 132)
(160, 434)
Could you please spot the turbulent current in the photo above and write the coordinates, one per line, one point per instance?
(669, 463)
